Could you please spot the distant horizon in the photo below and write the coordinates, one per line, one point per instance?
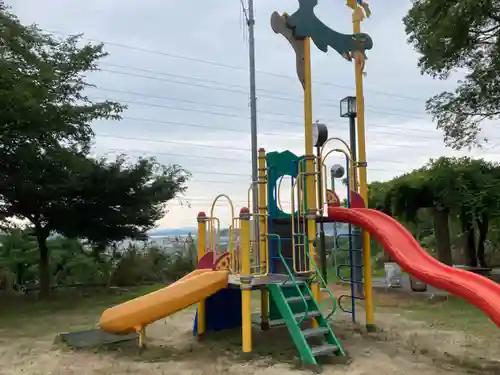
(178, 230)
(186, 230)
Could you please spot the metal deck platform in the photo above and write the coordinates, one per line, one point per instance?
(259, 282)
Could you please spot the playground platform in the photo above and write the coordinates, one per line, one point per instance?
(263, 281)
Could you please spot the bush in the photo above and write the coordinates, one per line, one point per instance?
(72, 262)
(151, 265)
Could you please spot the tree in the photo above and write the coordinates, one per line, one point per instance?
(478, 183)
(94, 199)
(460, 189)
(45, 124)
(18, 254)
(461, 35)
(412, 192)
(118, 200)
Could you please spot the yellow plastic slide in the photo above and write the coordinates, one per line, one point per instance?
(133, 315)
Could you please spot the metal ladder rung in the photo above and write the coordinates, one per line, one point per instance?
(344, 296)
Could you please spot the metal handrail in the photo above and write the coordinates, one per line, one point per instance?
(297, 183)
(213, 239)
(234, 251)
(324, 285)
(264, 272)
(292, 278)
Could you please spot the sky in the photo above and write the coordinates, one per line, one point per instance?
(182, 69)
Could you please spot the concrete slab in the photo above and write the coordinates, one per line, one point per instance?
(93, 337)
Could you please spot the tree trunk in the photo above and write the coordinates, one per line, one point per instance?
(97, 250)
(470, 254)
(483, 226)
(44, 265)
(442, 233)
(20, 274)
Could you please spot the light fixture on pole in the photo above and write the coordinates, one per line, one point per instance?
(348, 109)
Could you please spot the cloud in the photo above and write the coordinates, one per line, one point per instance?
(182, 70)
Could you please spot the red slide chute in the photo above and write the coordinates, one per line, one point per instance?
(407, 252)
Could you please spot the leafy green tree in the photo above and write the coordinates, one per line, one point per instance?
(461, 188)
(18, 254)
(460, 35)
(412, 192)
(478, 185)
(118, 200)
(45, 122)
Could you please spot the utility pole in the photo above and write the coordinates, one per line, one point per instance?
(253, 122)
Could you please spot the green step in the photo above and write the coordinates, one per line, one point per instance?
(324, 349)
(295, 304)
(298, 299)
(314, 332)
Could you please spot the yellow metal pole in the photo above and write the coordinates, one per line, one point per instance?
(246, 281)
(310, 158)
(142, 337)
(202, 244)
(263, 257)
(363, 183)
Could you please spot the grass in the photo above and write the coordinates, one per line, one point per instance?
(453, 313)
(332, 272)
(66, 309)
(27, 318)
(20, 311)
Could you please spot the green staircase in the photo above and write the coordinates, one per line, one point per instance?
(297, 307)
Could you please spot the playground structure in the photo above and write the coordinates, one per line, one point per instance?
(280, 259)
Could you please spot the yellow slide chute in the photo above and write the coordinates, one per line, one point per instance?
(134, 315)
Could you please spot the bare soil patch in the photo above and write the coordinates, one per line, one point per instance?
(407, 343)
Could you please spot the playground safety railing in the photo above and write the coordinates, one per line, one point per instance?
(299, 229)
(259, 244)
(291, 278)
(258, 267)
(350, 171)
(324, 286)
(260, 255)
(350, 266)
(214, 234)
(235, 250)
(214, 229)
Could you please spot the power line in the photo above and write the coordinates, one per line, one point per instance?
(238, 91)
(227, 114)
(228, 66)
(232, 85)
(333, 122)
(282, 135)
(233, 160)
(180, 143)
(194, 110)
(290, 123)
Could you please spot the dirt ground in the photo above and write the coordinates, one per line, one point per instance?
(401, 347)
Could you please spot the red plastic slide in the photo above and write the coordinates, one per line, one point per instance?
(406, 251)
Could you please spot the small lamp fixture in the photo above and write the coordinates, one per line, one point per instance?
(319, 134)
(348, 107)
